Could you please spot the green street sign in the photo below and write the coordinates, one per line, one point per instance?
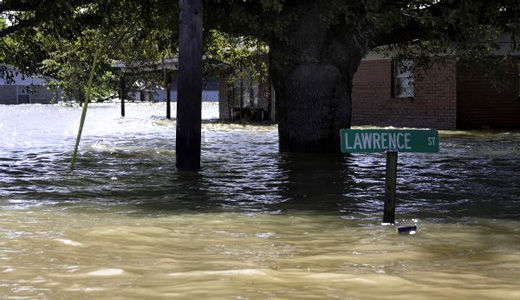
(380, 140)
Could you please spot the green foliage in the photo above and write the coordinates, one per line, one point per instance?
(3, 24)
(418, 27)
(131, 32)
(238, 32)
(70, 61)
(239, 55)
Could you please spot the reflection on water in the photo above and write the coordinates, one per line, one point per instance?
(253, 223)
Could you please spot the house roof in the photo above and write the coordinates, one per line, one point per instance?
(20, 79)
(168, 63)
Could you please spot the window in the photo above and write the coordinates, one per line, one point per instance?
(402, 83)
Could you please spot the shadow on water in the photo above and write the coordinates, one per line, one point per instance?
(275, 183)
(314, 182)
(289, 183)
(293, 182)
(182, 192)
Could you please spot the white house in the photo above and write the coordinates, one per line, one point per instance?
(27, 89)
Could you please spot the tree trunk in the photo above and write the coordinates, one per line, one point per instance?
(190, 85)
(312, 72)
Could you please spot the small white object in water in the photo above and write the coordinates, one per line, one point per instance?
(265, 235)
(237, 272)
(106, 272)
(70, 243)
(223, 272)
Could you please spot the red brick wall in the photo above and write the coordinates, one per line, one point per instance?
(484, 105)
(434, 104)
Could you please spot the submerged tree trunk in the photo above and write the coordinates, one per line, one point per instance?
(190, 85)
(312, 72)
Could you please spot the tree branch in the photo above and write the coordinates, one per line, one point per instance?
(414, 29)
(20, 25)
(18, 6)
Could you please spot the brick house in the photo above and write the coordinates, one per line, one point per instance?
(448, 95)
(27, 89)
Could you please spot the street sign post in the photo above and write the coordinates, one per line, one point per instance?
(390, 141)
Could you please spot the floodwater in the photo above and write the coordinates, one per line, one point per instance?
(253, 224)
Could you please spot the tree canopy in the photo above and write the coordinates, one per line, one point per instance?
(148, 29)
(59, 38)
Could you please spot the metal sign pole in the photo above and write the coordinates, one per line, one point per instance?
(390, 186)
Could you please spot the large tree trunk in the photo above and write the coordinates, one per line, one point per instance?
(312, 71)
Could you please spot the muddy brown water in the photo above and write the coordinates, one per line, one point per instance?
(254, 223)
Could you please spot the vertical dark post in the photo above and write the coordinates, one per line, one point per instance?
(82, 98)
(224, 95)
(232, 109)
(190, 85)
(390, 185)
(241, 97)
(122, 86)
(272, 105)
(252, 95)
(168, 84)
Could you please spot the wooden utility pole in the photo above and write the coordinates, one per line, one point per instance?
(241, 96)
(168, 84)
(167, 87)
(189, 97)
(122, 86)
